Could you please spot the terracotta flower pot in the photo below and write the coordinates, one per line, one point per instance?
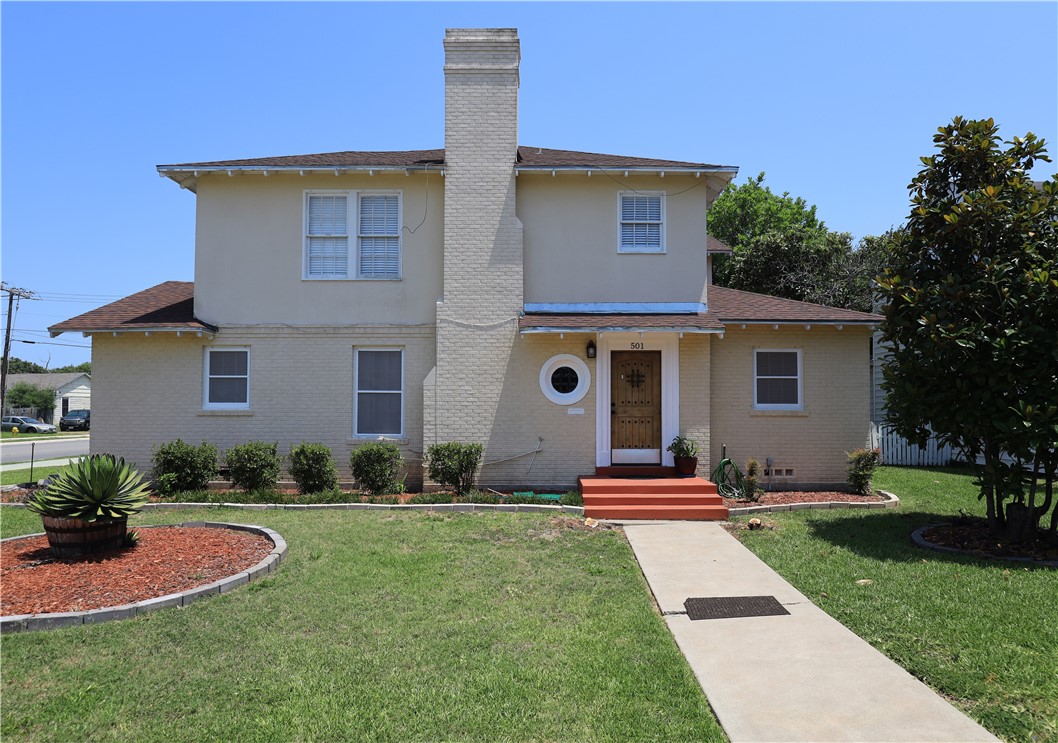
(685, 466)
(77, 537)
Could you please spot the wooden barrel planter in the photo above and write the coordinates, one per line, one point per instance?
(77, 537)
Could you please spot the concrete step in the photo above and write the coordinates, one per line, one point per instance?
(652, 499)
(660, 486)
(686, 513)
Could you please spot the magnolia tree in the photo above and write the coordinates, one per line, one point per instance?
(971, 309)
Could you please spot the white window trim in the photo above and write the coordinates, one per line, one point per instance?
(352, 231)
(356, 392)
(206, 404)
(800, 380)
(664, 222)
(583, 379)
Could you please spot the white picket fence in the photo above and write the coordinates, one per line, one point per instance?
(898, 450)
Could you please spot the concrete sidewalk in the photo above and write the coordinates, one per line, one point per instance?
(38, 464)
(802, 677)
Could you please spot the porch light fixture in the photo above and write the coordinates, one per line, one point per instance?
(590, 350)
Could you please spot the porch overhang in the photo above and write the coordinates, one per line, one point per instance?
(623, 323)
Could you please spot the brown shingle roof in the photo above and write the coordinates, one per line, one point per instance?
(167, 306)
(527, 157)
(726, 307)
(734, 305)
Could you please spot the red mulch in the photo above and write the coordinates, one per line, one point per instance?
(167, 560)
(802, 496)
(975, 537)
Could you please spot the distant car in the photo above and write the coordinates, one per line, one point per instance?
(26, 425)
(76, 420)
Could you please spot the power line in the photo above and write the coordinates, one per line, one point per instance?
(50, 343)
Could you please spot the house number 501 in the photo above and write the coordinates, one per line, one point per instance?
(636, 346)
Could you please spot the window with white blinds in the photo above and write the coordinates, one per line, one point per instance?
(226, 378)
(330, 250)
(777, 379)
(379, 392)
(379, 236)
(642, 223)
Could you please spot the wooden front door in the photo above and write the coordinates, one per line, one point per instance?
(635, 407)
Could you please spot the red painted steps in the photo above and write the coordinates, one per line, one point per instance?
(659, 497)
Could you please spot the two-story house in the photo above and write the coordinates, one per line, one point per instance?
(555, 306)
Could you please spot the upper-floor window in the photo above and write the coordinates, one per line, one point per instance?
(370, 250)
(226, 378)
(642, 223)
(777, 379)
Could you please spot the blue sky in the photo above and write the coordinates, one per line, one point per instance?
(835, 101)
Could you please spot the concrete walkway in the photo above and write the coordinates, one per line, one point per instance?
(802, 677)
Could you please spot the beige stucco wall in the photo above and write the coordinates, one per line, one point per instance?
(814, 441)
(148, 390)
(249, 248)
(571, 237)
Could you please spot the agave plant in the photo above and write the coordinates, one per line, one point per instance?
(98, 487)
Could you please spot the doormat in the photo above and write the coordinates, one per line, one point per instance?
(732, 607)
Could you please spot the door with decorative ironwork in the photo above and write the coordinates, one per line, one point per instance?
(635, 407)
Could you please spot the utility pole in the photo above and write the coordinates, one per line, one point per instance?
(12, 293)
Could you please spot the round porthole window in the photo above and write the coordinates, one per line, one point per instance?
(564, 379)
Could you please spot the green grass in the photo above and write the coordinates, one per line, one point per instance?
(378, 626)
(983, 633)
(56, 435)
(17, 477)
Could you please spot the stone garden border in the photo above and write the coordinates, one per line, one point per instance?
(891, 502)
(54, 620)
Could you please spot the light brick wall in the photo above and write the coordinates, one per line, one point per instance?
(695, 402)
(148, 390)
(836, 394)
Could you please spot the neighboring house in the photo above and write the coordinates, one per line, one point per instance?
(73, 391)
(554, 306)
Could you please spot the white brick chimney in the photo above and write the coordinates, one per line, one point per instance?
(477, 320)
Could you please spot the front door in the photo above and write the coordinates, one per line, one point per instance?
(635, 407)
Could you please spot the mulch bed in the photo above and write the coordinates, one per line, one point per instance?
(168, 559)
(974, 536)
(778, 498)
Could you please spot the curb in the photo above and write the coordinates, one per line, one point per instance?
(54, 620)
(920, 541)
(892, 502)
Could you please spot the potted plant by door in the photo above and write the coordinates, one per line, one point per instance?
(684, 455)
(85, 509)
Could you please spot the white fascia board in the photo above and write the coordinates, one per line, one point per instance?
(868, 323)
(616, 329)
(617, 308)
(729, 170)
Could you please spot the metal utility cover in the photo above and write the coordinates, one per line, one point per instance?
(732, 607)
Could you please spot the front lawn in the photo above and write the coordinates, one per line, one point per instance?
(53, 435)
(379, 625)
(20, 476)
(983, 633)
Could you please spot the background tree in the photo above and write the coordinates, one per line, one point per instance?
(85, 368)
(25, 395)
(783, 249)
(16, 365)
(971, 308)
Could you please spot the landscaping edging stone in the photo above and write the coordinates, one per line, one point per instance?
(891, 502)
(921, 541)
(54, 620)
(465, 507)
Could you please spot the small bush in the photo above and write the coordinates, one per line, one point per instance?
(454, 464)
(312, 467)
(750, 489)
(179, 466)
(254, 465)
(376, 467)
(571, 498)
(862, 464)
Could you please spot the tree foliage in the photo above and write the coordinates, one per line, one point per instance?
(16, 365)
(971, 308)
(783, 249)
(25, 395)
(85, 368)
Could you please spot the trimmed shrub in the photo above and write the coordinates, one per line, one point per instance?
(454, 464)
(254, 465)
(376, 467)
(178, 466)
(750, 489)
(571, 498)
(862, 464)
(312, 467)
